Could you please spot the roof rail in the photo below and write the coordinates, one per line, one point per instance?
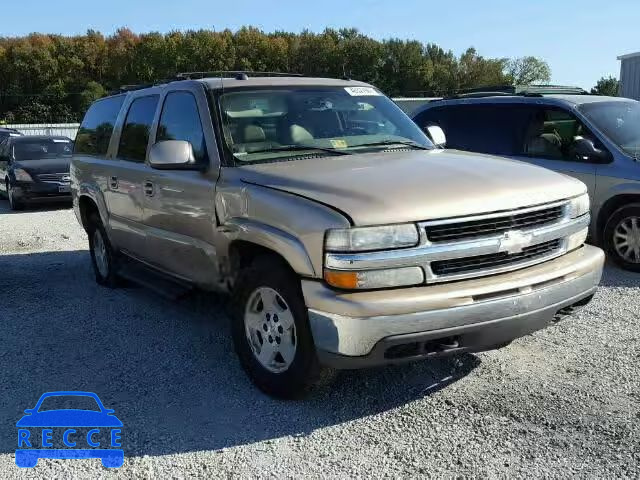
(237, 74)
(130, 88)
(521, 90)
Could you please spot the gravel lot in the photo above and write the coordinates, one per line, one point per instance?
(564, 402)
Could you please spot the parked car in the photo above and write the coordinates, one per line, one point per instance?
(35, 169)
(345, 238)
(593, 138)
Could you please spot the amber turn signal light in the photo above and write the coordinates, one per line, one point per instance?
(346, 280)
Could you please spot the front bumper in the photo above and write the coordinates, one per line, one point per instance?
(353, 330)
(41, 191)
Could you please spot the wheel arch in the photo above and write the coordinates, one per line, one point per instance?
(248, 239)
(609, 207)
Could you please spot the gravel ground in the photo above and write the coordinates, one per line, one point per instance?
(564, 402)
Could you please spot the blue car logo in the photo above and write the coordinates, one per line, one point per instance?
(63, 433)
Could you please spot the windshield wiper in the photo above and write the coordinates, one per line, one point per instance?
(384, 143)
(298, 148)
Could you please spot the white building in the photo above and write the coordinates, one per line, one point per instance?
(630, 75)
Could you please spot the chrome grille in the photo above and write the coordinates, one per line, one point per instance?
(534, 235)
(54, 177)
(449, 232)
(496, 260)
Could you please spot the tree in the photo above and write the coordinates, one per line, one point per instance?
(55, 77)
(527, 70)
(608, 86)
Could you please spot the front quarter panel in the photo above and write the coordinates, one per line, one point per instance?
(288, 224)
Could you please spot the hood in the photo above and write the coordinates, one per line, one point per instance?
(45, 165)
(419, 185)
(69, 418)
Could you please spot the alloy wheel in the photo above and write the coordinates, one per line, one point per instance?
(626, 239)
(100, 254)
(270, 329)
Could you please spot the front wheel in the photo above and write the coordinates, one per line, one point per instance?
(622, 237)
(271, 332)
(14, 202)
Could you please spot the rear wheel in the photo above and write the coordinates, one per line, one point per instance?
(271, 332)
(103, 256)
(622, 237)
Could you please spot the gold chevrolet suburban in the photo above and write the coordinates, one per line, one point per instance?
(345, 237)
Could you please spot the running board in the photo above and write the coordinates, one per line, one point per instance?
(158, 282)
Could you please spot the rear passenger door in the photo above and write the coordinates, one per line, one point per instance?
(126, 176)
(547, 140)
(179, 212)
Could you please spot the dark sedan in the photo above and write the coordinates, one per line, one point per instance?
(35, 169)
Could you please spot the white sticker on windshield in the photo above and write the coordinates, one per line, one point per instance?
(57, 140)
(362, 91)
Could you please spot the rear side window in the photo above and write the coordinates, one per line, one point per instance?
(494, 129)
(135, 132)
(97, 126)
(180, 120)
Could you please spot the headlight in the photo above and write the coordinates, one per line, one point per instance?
(367, 279)
(22, 176)
(371, 238)
(579, 206)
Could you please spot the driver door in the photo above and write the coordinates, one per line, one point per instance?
(179, 206)
(547, 141)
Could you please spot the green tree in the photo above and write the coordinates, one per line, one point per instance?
(527, 70)
(55, 77)
(608, 86)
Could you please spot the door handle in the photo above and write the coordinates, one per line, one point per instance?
(113, 182)
(148, 188)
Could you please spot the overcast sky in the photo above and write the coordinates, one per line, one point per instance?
(579, 39)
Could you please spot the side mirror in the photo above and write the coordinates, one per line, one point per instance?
(29, 411)
(436, 134)
(173, 155)
(585, 150)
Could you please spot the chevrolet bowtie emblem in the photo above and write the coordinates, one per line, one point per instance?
(514, 242)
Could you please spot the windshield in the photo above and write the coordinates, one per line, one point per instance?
(69, 402)
(265, 125)
(41, 149)
(620, 121)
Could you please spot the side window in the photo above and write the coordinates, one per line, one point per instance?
(551, 133)
(97, 126)
(180, 120)
(482, 128)
(135, 132)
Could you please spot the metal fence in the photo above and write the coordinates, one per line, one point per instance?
(63, 129)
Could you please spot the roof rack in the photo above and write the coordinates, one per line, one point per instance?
(237, 74)
(520, 90)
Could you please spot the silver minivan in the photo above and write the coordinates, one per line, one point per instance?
(593, 138)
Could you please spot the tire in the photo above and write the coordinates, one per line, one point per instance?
(14, 204)
(623, 227)
(104, 258)
(289, 375)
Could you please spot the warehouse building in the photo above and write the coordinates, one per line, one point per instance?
(630, 75)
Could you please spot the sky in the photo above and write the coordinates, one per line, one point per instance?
(579, 39)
